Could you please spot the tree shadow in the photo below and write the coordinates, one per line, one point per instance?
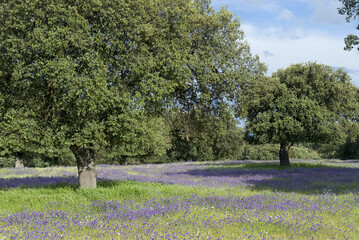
(304, 178)
(49, 183)
(37, 182)
(235, 163)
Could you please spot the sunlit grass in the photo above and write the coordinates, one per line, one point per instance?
(70, 195)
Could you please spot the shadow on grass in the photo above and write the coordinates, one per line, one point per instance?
(302, 178)
(37, 182)
(49, 183)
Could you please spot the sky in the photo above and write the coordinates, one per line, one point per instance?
(284, 32)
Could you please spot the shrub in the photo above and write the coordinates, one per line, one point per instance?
(300, 152)
(7, 162)
(261, 152)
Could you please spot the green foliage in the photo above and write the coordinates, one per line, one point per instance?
(260, 152)
(300, 152)
(53, 157)
(19, 132)
(20, 136)
(7, 162)
(200, 136)
(350, 149)
(97, 74)
(303, 103)
(230, 144)
(219, 63)
(343, 144)
(144, 138)
(350, 8)
(270, 152)
(86, 74)
(188, 149)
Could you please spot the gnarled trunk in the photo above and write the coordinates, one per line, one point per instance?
(85, 158)
(19, 160)
(284, 154)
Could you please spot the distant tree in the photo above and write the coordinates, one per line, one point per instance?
(19, 135)
(86, 68)
(145, 137)
(230, 143)
(302, 103)
(193, 134)
(350, 8)
(350, 148)
(219, 63)
(200, 136)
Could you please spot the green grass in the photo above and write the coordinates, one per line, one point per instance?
(16, 199)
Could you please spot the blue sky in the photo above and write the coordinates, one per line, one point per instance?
(283, 32)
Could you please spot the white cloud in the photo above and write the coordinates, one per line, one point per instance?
(309, 45)
(286, 15)
(326, 11)
(267, 5)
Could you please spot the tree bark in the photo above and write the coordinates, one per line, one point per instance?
(19, 160)
(85, 158)
(284, 154)
(123, 160)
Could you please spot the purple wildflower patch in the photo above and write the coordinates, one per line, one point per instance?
(154, 219)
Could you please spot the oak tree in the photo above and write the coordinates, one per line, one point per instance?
(302, 103)
(87, 70)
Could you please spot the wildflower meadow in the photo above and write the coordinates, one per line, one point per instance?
(206, 200)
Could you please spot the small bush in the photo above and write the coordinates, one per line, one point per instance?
(299, 152)
(261, 152)
(7, 162)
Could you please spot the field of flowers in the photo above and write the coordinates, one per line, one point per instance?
(207, 200)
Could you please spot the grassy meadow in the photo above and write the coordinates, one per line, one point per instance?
(206, 200)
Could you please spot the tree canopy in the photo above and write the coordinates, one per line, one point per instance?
(86, 71)
(350, 8)
(302, 103)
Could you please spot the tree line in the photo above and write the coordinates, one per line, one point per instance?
(121, 79)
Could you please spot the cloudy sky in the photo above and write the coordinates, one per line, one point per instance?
(283, 32)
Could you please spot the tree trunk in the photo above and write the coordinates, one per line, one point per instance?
(19, 160)
(85, 158)
(284, 154)
(123, 160)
